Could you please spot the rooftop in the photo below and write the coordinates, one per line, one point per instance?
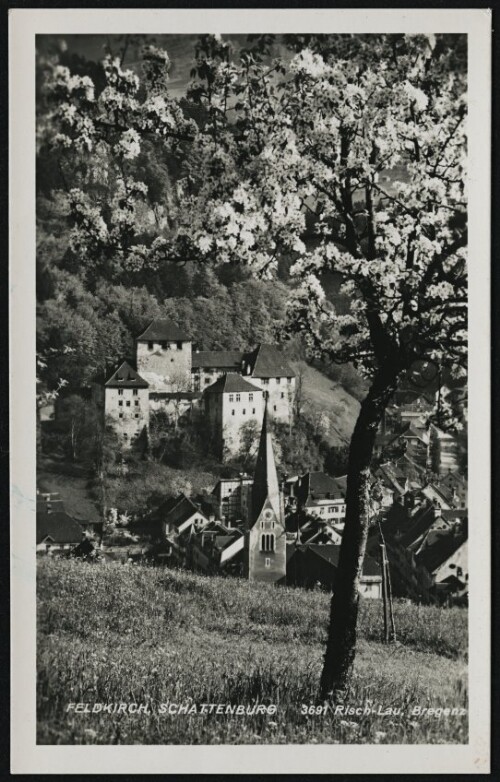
(229, 383)
(163, 329)
(218, 359)
(176, 510)
(126, 377)
(267, 361)
(57, 526)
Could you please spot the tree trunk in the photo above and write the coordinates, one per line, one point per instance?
(341, 644)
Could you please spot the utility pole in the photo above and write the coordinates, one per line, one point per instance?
(389, 626)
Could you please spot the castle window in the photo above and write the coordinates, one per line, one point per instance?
(253, 411)
(128, 404)
(179, 346)
(150, 345)
(282, 395)
(135, 392)
(250, 397)
(136, 403)
(289, 380)
(137, 415)
(244, 411)
(120, 403)
(120, 415)
(267, 541)
(232, 412)
(238, 397)
(120, 392)
(231, 397)
(278, 380)
(274, 408)
(164, 345)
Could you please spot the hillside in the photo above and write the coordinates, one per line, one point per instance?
(323, 395)
(127, 633)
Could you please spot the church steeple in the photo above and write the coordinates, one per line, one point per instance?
(265, 484)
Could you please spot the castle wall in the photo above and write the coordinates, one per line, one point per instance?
(238, 410)
(129, 409)
(281, 392)
(166, 366)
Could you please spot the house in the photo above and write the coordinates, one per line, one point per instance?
(56, 531)
(445, 557)
(176, 516)
(318, 494)
(265, 538)
(444, 451)
(233, 499)
(232, 405)
(208, 365)
(126, 403)
(217, 549)
(268, 369)
(311, 564)
(163, 356)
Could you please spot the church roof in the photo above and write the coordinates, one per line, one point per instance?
(217, 359)
(126, 377)
(267, 361)
(265, 482)
(163, 329)
(229, 383)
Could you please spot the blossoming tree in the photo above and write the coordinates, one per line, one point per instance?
(360, 139)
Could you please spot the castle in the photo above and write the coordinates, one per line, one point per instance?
(225, 388)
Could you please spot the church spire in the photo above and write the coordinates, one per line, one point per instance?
(265, 484)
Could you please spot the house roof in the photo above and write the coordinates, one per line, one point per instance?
(177, 510)
(267, 361)
(330, 552)
(218, 359)
(229, 383)
(442, 548)
(57, 526)
(163, 329)
(126, 377)
(319, 485)
(187, 395)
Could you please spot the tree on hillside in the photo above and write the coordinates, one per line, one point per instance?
(364, 135)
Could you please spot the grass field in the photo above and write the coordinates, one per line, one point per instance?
(133, 634)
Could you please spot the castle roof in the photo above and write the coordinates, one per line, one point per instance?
(229, 383)
(267, 361)
(162, 329)
(265, 483)
(126, 377)
(218, 359)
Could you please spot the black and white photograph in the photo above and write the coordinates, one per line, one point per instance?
(252, 441)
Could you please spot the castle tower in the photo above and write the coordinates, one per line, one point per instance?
(265, 545)
(163, 354)
(126, 403)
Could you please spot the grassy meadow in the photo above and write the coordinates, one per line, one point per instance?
(135, 634)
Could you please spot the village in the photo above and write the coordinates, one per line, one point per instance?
(267, 526)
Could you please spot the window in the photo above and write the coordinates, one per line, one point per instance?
(282, 395)
(238, 397)
(128, 404)
(244, 411)
(253, 411)
(232, 412)
(136, 403)
(179, 346)
(120, 403)
(120, 415)
(289, 380)
(274, 408)
(120, 392)
(267, 541)
(150, 345)
(231, 397)
(278, 380)
(250, 397)
(164, 345)
(265, 381)
(207, 381)
(137, 415)
(268, 562)
(135, 392)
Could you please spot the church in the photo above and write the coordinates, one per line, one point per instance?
(226, 388)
